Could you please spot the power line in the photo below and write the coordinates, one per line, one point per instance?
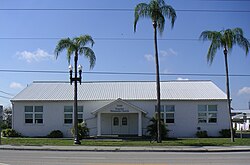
(125, 10)
(124, 73)
(100, 39)
(6, 93)
(5, 97)
(228, 0)
(103, 39)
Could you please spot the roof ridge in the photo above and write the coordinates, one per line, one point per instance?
(119, 81)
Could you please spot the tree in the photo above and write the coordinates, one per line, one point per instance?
(156, 10)
(225, 39)
(7, 118)
(77, 46)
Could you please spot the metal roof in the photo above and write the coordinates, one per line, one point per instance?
(126, 90)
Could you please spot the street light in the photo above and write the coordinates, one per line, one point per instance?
(75, 110)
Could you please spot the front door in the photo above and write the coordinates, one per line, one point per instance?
(120, 125)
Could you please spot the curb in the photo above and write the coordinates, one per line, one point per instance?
(202, 149)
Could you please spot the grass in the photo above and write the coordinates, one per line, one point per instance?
(115, 142)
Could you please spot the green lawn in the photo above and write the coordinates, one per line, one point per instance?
(90, 142)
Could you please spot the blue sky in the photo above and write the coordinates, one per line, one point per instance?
(176, 56)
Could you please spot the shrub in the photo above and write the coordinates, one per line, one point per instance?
(226, 133)
(201, 134)
(3, 125)
(10, 133)
(152, 129)
(55, 134)
(83, 130)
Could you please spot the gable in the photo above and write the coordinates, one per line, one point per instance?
(119, 106)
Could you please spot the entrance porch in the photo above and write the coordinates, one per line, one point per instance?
(119, 118)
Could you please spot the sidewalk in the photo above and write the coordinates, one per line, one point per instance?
(131, 149)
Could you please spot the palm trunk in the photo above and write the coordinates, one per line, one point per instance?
(159, 140)
(76, 138)
(228, 96)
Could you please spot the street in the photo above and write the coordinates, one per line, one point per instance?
(12, 157)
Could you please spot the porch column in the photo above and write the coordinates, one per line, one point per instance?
(139, 124)
(99, 124)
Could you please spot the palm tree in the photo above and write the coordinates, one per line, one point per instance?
(225, 39)
(77, 46)
(156, 10)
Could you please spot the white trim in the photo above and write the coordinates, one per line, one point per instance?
(99, 133)
(115, 102)
(139, 124)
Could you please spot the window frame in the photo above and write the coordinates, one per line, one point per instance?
(36, 114)
(207, 114)
(165, 112)
(80, 110)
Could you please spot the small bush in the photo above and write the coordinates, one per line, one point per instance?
(10, 133)
(226, 133)
(55, 134)
(83, 130)
(3, 125)
(201, 134)
(152, 129)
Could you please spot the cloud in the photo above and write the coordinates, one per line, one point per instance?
(37, 55)
(149, 57)
(15, 85)
(244, 90)
(182, 79)
(169, 52)
(166, 71)
(162, 53)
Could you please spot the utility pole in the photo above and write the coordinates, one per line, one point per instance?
(1, 121)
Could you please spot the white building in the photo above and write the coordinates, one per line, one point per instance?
(121, 108)
(241, 119)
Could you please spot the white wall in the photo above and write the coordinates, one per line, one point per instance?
(186, 117)
(53, 117)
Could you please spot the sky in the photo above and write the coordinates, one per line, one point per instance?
(29, 35)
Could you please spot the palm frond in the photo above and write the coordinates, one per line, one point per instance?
(88, 53)
(84, 40)
(240, 40)
(70, 51)
(62, 45)
(214, 46)
(160, 23)
(170, 13)
(157, 10)
(215, 38)
(77, 46)
(160, 2)
(141, 10)
(228, 39)
(224, 39)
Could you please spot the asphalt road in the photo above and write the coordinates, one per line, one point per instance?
(11, 157)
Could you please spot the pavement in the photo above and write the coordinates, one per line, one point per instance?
(130, 148)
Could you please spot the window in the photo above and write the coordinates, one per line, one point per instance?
(39, 114)
(115, 121)
(124, 121)
(80, 114)
(68, 114)
(33, 115)
(167, 113)
(207, 113)
(162, 112)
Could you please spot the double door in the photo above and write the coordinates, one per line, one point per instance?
(120, 125)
